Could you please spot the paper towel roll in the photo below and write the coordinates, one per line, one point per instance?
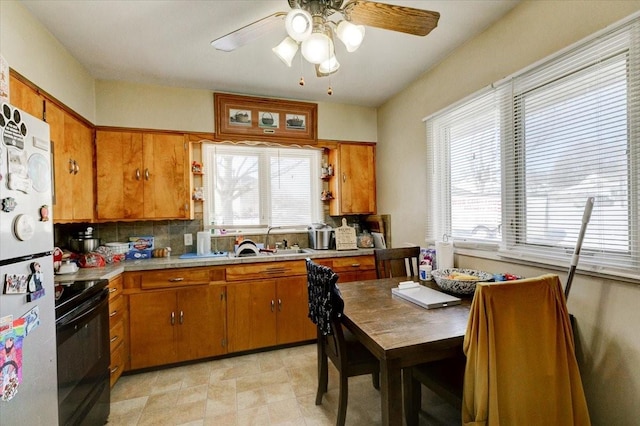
(444, 254)
(203, 243)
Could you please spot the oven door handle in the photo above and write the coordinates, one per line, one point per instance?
(75, 319)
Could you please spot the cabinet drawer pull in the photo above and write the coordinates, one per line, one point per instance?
(146, 174)
(175, 280)
(279, 305)
(181, 317)
(344, 177)
(71, 168)
(137, 174)
(116, 368)
(114, 313)
(273, 304)
(355, 265)
(112, 290)
(114, 338)
(173, 318)
(76, 168)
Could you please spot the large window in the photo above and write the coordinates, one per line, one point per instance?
(518, 161)
(260, 185)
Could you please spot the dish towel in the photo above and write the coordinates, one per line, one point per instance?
(521, 365)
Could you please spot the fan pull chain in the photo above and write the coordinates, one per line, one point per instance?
(301, 81)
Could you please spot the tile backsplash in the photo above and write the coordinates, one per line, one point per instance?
(167, 234)
(170, 233)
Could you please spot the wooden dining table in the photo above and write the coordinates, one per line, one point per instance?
(400, 333)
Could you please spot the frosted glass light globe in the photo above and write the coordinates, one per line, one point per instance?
(317, 48)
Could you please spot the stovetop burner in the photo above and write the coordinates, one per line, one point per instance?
(72, 294)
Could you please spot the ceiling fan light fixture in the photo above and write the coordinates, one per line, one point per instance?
(299, 24)
(286, 50)
(317, 48)
(351, 35)
(329, 66)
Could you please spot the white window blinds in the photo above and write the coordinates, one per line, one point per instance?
(563, 131)
(259, 185)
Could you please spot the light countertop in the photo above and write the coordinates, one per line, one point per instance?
(112, 270)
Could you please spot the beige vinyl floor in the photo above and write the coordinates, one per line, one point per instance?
(269, 388)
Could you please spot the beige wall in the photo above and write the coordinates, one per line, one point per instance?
(125, 104)
(607, 311)
(35, 53)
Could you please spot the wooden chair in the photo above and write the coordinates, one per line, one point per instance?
(520, 365)
(335, 342)
(397, 262)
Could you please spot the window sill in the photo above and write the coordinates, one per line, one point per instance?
(492, 254)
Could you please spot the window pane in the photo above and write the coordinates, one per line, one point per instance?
(475, 177)
(258, 185)
(576, 146)
(290, 190)
(237, 192)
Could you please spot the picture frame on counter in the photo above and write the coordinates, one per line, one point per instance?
(239, 118)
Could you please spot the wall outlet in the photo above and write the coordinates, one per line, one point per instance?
(188, 239)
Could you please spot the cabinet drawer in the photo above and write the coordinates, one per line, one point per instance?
(118, 359)
(116, 335)
(266, 270)
(168, 278)
(116, 311)
(343, 264)
(115, 287)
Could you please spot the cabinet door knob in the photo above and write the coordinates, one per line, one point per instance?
(344, 177)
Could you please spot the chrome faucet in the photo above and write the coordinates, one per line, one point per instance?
(266, 238)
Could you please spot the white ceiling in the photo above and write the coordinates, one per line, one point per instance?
(168, 43)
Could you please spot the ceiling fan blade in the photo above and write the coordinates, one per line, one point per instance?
(391, 17)
(248, 33)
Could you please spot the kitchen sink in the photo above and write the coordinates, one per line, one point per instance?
(287, 252)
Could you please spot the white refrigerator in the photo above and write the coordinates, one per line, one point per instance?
(28, 378)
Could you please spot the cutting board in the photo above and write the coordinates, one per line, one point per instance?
(346, 237)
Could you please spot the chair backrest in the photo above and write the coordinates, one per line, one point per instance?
(397, 262)
(521, 365)
(325, 301)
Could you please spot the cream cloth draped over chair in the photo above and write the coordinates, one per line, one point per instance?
(521, 366)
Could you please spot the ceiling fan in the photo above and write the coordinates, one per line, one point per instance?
(312, 24)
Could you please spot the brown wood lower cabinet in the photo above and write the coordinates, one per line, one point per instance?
(117, 329)
(269, 309)
(265, 313)
(352, 268)
(171, 326)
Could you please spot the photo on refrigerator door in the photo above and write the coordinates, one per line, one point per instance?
(11, 359)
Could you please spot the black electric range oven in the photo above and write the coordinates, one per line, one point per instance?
(82, 336)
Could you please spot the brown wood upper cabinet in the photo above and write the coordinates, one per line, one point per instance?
(354, 182)
(142, 175)
(72, 146)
